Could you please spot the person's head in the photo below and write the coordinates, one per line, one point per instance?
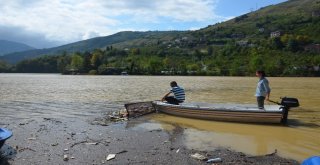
(260, 73)
(173, 84)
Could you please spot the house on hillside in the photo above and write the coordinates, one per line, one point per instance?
(275, 34)
(312, 48)
(242, 43)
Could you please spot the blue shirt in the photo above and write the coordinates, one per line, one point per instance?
(263, 87)
(178, 93)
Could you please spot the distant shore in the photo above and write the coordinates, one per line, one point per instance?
(74, 141)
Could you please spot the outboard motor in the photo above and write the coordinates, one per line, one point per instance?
(289, 102)
(286, 104)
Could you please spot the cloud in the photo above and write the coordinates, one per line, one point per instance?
(45, 23)
(19, 34)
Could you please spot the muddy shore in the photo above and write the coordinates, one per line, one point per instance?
(78, 141)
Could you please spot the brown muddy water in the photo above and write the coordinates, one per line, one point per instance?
(35, 96)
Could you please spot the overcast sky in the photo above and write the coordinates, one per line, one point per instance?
(49, 23)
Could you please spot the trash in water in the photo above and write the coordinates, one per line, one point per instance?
(198, 156)
(93, 143)
(110, 117)
(111, 156)
(123, 151)
(166, 141)
(214, 160)
(139, 108)
(65, 157)
(54, 144)
(33, 138)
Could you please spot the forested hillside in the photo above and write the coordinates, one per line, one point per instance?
(90, 44)
(282, 39)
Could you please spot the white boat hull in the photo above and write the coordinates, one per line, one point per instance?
(224, 112)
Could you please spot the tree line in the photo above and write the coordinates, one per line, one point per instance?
(215, 60)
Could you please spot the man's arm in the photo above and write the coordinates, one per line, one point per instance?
(165, 96)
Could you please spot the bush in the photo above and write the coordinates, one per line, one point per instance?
(92, 72)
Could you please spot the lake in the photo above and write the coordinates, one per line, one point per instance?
(35, 96)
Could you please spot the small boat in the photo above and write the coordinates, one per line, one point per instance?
(231, 112)
(124, 73)
(4, 135)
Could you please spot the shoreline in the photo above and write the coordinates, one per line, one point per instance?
(78, 141)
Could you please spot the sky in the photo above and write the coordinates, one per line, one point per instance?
(50, 23)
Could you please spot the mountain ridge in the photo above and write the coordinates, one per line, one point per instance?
(82, 46)
(7, 47)
(293, 19)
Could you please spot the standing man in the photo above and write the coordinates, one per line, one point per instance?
(178, 92)
(263, 90)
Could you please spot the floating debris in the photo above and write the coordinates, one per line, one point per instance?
(214, 160)
(33, 138)
(123, 151)
(93, 143)
(111, 156)
(111, 117)
(139, 108)
(65, 157)
(23, 149)
(198, 156)
(54, 144)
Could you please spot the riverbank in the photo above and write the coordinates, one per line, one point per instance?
(75, 141)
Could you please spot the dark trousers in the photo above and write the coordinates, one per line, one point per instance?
(260, 100)
(172, 100)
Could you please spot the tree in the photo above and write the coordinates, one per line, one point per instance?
(155, 65)
(293, 45)
(96, 58)
(256, 61)
(4, 67)
(76, 63)
(210, 50)
(276, 43)
(102, 69)
(135, 51)
(87, 62)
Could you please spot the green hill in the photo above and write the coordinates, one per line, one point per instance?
(10, 47)
(121, 38)
(294, 17)
(282, 39)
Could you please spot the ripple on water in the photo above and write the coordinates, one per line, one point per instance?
(27, 96)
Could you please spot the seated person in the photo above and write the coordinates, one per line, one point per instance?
(178, 92)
